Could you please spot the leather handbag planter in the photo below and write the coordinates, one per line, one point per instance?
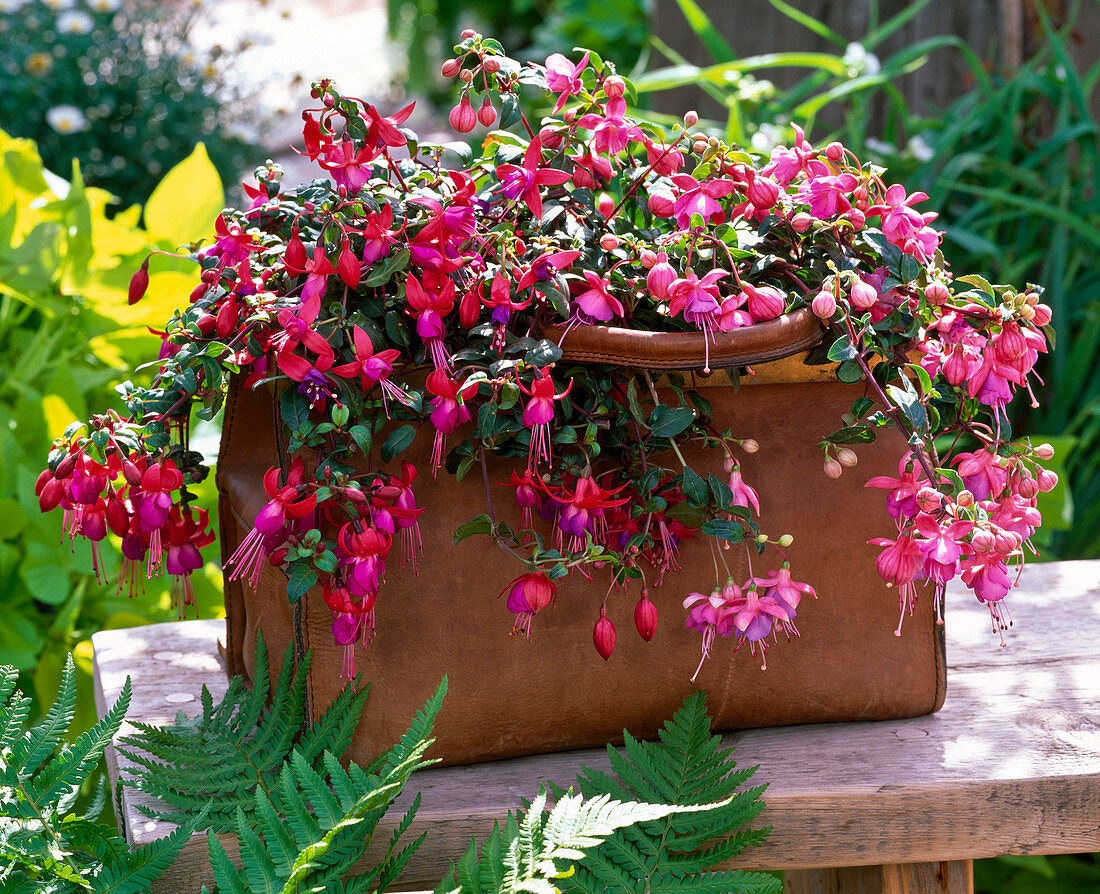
(510, 696)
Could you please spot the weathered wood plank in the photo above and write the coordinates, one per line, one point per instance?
(903, 878)
(1011, 765)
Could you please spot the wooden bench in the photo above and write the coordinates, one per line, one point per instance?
(1011, 765)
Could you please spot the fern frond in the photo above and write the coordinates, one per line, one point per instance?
(134, 871)
(39, 742)
(15, 710)
(238, 746)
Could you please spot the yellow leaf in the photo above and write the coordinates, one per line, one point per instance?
(58, 415)
(186, 202)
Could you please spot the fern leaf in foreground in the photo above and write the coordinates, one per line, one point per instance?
(309, 826)
(688, 766)
(218, 759)
(43, 846)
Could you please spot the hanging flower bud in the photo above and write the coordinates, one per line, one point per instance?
(937, 293)
(487, 114)
(1044, 451)
(645, 617)
(763, 192)
(660, 277)
(348, 266)
(1042, 315)
(614, 86)
(824, 305)
(661, 204)
(462, 117)
(1048, 480)
(863, 295)
(847, 457)
(139, 282)
(295, 256)
(801, 222)
(450, 68)
(833, 469)
(691, 118)
(603, 635)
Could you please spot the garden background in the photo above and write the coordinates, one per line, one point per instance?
(125, 127)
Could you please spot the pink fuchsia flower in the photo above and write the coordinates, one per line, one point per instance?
(528, 594)
(378, 235)
(285, 506)
(449, 409)
(500, 302)
(232, 244)
(523, 180)
(902, 499)
(941, 547)
(152, 498)
(539, 413)
(429, 302)
(897, 565)
(987, 576)
(713, 615)
(665, 160)
(612, 131)
(363, 558)
(900, 222)
(311, 377)
(590, 171)
(827, 195)
(596, 301)
(371, 368)
(743, 494)
(297, 328)
(697, 299)
(699, 198)
(545, 267)
(732, 314)
(981, 473)
(349, 168)
(317, 270)
(564, 78)
(188, 533)
(405, 514)
(581, 512)
(660, 278)
(787, 592)
(787, 163)
(753, 620)
(382, 130)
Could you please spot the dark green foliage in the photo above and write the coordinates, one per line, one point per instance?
(670, 850)
(307, 828)
(240, 746)
(44, 847)
(687, 767)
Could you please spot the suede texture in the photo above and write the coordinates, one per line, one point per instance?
(512, 696)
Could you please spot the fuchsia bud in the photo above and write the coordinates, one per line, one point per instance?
(487, 114)
(50, 490)
(863, 295)
(763, 192)
(660, 277)
(750, 445)
(348, 266)
(1048, 480)
(450, 68)
(1044, 451)
(855, 217)
(295, 256)
(691, 118)
(661, 204)
(847, 457)
(823, 305)
(139, 282)
(65, 467)
(1042, 315)
(609, 241)
(833, 469)
(834, 151)
(118, 519)
(648, 258)
(801, 222)
(614, 86)
(462, 117)
(491, 65)
(645, 617)
(603, 635)
(982, 541)
(551, 137)
(605, 205)
(1027, 488)
(937, 293)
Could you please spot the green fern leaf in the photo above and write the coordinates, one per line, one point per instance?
(39, 742)
(134, 871)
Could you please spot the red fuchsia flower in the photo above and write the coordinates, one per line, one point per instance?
(564, 78)
(352, 621)
(315, 140)
(449, 409)
(317, 270)
(297, 328)
(152, 501)
(285, 506)
(539, 413)
(383, 131)
(372, 368)
(902, 499)
(590, 171)
(500, 302)
(429, 302)
(660, 278)
(363, 554)
(348, 167)
(528, 594)
(188, 532)
(527, 495)
(523, 180)
(665, 160)
(611, 131)
(826, 194)
(232, 244)
(581, 513)
(941, 547)
(311, 378)
(700, 198)
(545, 267)
(378, 236)
(597, 302)
(405, 514)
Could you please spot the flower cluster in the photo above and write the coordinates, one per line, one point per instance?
(404, 293)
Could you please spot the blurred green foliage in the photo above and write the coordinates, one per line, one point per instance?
(120, 87)
(67, 335)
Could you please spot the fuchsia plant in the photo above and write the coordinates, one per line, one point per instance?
(399, 294)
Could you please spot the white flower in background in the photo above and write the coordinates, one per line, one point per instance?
(66, 119)
(767, 138)
(919, 148)
(879, 147)
(58, 5)
(74, 21)
(860, 61)
(12, 5)
(105, 5)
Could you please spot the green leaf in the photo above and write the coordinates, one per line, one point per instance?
(724, 529)
(481, 524)
(849, 372)
(843, 349)
(398, 441)
(853, 434)
(668, 422)
(186, 202)
(694, 488)
(302, 579)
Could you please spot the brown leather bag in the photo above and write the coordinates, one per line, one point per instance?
(510, 696)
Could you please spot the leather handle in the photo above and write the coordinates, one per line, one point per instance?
(640, 349)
